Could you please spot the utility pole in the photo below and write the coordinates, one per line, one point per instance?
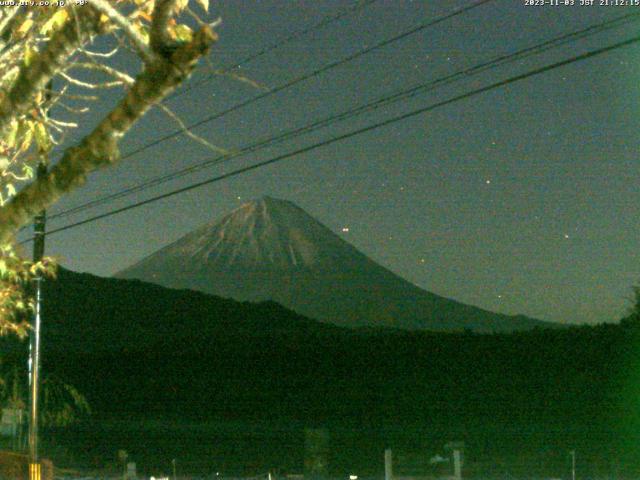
(457, 464)
(39, 225)
(388, 464)
(573, 464)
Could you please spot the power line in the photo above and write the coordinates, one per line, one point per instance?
(353, 133)
(312, 74)
(302, 78)
(386, 100)
(293, 36)
(290, 38)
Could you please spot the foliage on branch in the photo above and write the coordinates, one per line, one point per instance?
(77, 49)
(16, 275)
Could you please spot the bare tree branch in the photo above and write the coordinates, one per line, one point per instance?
(100, 147)
(60, 123)
(171, 114)
(136, 39)
(69, 109)
(91, 85)
(34, 78)
(106, 69)
(159, 36)
(100, 54)
(63, 94)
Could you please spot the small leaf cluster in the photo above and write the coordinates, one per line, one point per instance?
(16, 275)
(179, 32)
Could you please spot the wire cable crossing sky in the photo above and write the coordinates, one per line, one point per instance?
(520, 200)
(402, 95)
(352, 133)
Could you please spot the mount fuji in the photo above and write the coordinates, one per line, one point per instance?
(271, 249)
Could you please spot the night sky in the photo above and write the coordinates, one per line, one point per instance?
(524, 199)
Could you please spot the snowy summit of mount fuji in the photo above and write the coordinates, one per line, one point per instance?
(266, 233)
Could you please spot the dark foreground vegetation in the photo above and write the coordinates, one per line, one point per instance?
(231, 386)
